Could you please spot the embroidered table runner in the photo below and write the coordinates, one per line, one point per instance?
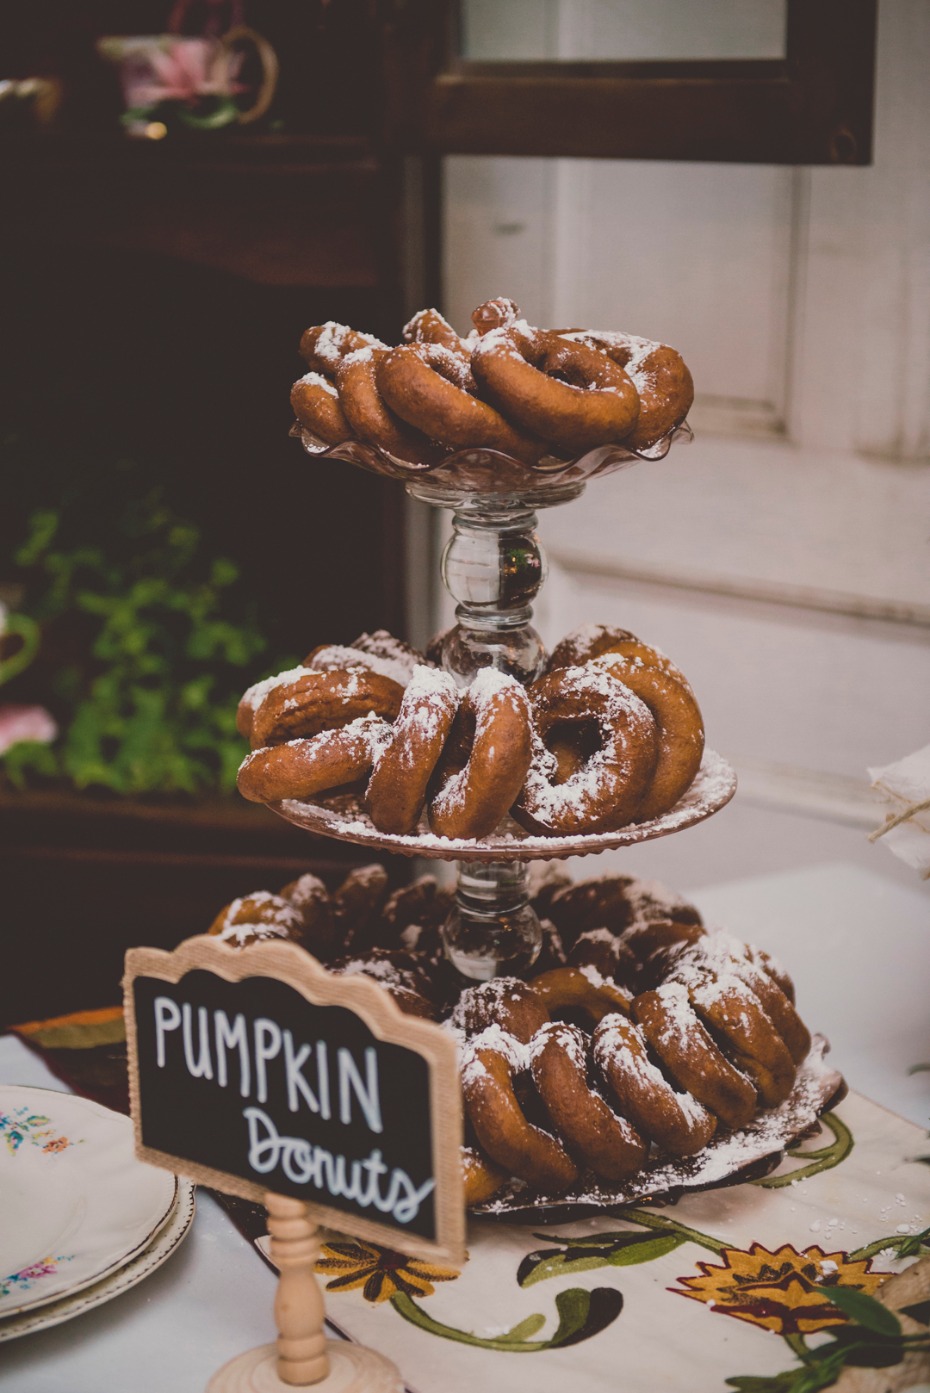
(726, 1284)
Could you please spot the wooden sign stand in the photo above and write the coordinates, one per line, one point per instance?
(255, 1065)
(302, 1354)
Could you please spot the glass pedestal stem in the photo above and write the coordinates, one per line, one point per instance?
(492, 930)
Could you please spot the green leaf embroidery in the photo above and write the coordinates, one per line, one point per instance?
(864, 1310)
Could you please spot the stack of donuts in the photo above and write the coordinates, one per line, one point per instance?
(638, 1037)
(527, 392)
(610, 734)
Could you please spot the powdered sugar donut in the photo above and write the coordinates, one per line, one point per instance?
(676, 1122)
(620, 733)
(368, 415)
(489, 1063)
(318, 701)
(397, 788)
(485, 760)
(324, 346)
(315, 403)
(432, 389)
(582, 1117)
(574, 396)
(303, 768)
(660, 376)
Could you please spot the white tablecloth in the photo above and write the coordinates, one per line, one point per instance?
(858, 947)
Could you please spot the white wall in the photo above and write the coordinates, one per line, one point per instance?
(782, 559)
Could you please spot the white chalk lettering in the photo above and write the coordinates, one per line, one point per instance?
(366, 1091)
(296, 1083)
(267, 1047)
(167, 1017)
(322, 1077)
(201, 1066)
(303, 1163)
(231, 1037)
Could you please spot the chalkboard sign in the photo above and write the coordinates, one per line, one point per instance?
(256, 1070)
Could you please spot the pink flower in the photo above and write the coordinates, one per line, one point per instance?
(179, 70)
(25, 723)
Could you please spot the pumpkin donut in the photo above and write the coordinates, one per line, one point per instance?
(489, 1063)
(598, 640)
(676, 1122)
(397, 789)
(721, 952)
(303, 768)
(318, 701)
(736, 1016)
(581, 1116)
(574, 399)
(368, 416)
(661, 379)
(583, 987)
(255, 918)
(315, 403)
(690, 1055)
(429, 326)
(324, 346)
(680, 727)
(432, 389)
(607, 791)
(481, 1177)
(504, 1001)
(255, 695)
(499, 313)
(485, 760)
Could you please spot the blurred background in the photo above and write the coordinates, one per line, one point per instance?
(186, 187)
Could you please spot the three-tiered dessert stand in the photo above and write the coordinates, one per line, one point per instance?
(493, 566)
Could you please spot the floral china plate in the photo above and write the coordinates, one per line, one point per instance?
(75, 1204)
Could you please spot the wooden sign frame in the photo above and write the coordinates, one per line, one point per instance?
(298, 970)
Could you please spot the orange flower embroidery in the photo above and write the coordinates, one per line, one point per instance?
(380, 1272)
(781, 1291)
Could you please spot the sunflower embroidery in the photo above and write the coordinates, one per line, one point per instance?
(781, 1291)
(380, 1272)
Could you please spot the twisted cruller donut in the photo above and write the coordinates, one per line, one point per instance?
(660, 378)
(432, 388)
(606, 792)
(317, 701)
(603, 1139)
(366, 413)
(485, 760)
(304, 767)
(573, 396)
(315, 403)
(397, 789)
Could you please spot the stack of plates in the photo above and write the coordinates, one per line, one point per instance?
(81, 1220)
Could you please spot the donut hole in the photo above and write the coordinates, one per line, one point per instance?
(572, 743)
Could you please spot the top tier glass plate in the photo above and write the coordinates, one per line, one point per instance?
(473, 475)
(343, 816)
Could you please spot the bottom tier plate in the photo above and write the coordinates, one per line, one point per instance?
(731, 1158)
(343, 816)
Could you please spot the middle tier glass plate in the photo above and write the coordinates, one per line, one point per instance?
(343, 816)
